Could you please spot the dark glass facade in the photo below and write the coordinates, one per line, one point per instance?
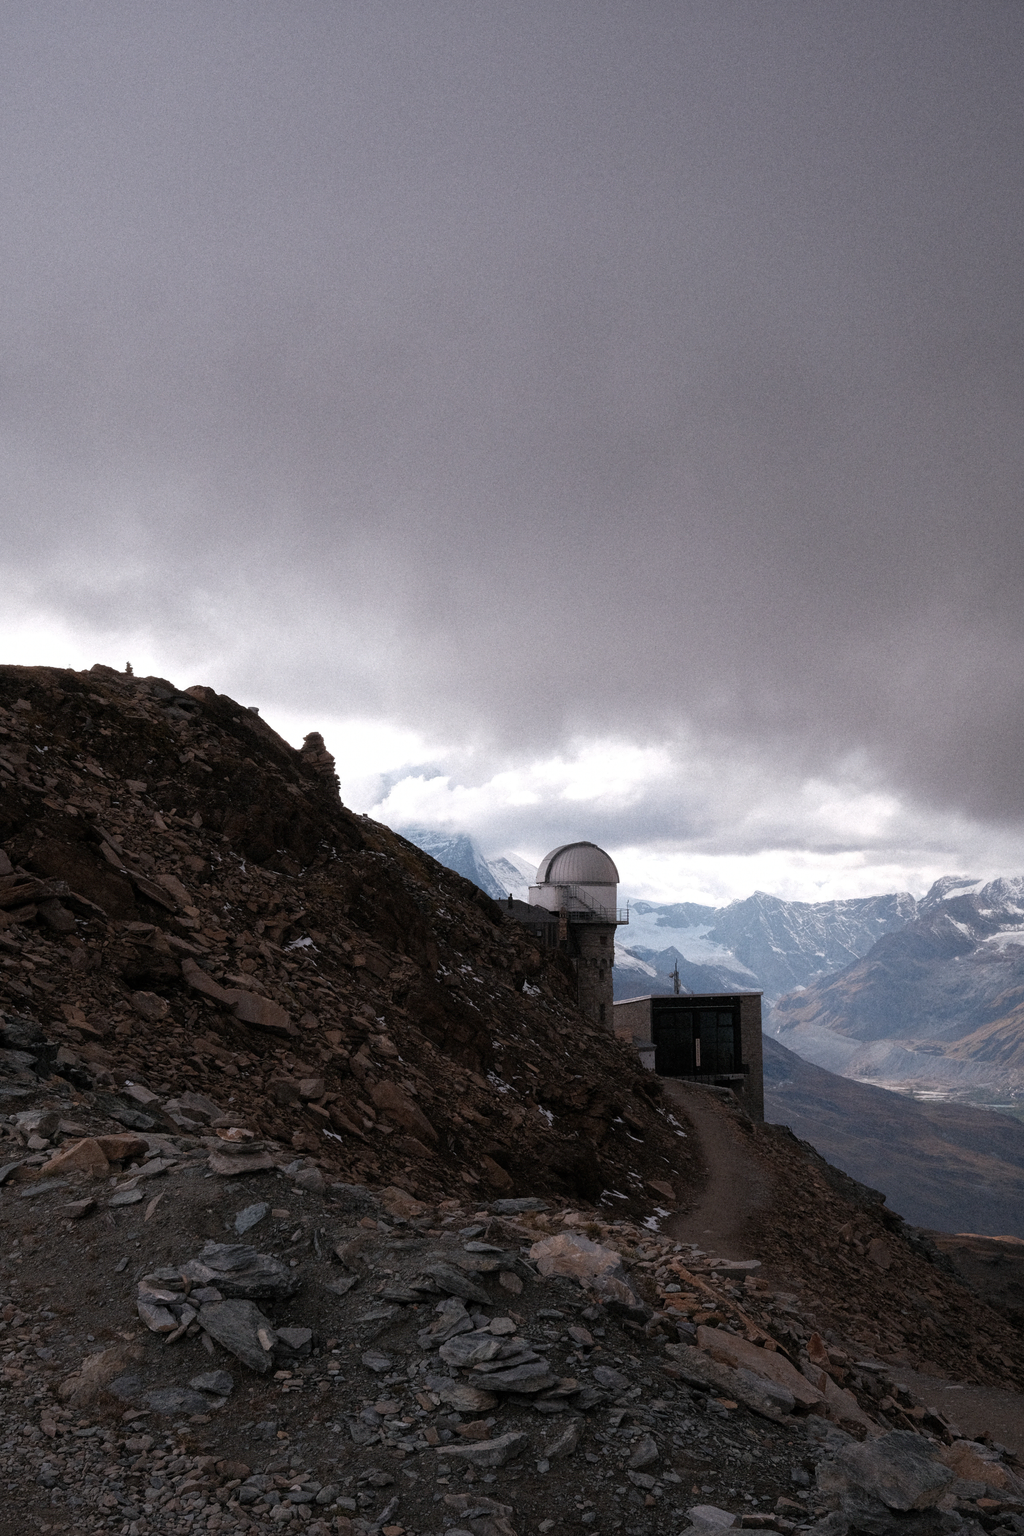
(696, 1036)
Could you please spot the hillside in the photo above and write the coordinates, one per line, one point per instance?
(324, 1207)
(938, 1003)
(199, 913)
(943, 1166)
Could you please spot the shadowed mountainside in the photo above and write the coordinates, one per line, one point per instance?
(943, 1166)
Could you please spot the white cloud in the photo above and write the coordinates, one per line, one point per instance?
(688, 819)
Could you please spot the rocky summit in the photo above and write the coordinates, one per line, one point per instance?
(324, 1207)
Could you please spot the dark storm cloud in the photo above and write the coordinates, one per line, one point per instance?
(535, 371)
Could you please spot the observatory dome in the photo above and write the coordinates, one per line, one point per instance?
(577, 864)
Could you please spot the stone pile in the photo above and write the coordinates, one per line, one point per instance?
(216, 1295)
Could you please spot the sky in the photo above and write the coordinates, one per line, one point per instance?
(600, 420)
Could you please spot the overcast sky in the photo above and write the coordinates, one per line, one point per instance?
(600, 419)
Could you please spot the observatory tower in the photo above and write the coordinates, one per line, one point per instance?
(579, 883)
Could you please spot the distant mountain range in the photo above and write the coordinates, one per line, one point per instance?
(926, 994)
(762, 943)
(938, 1001)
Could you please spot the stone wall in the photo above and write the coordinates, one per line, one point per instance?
(593, 949)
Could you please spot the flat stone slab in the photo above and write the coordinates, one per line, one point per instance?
(243, 1331)
(230, 1167)
(250, 1217)
(239, 1271)
(730, 1349)
(218, 1382)
(522, 1378)
(171, 1400)
(487, 1453)
(470, 1349)
(455, 1283)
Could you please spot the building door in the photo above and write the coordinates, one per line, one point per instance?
(717, 1031)
(694, 1041)
(676, 1045)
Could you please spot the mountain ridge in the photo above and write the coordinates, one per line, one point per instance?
(940, 1002)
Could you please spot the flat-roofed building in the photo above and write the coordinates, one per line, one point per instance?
(713, 1039)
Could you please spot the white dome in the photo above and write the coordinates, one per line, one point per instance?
(577, 864)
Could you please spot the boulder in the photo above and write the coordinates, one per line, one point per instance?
(239, 1271)
(259, 1012)
(195, 1107)
(174, 887)
(976, 1463)
(149, 1006)
(399, 1202)
(93, 1155)
(730, 1349)
(698, 1369)
(309, 1179)
(596, 1268)
(241, 1328)
(494, 1174)
(84, 1156)
(840, 1405)
(901, 1470)
(98, 1371)
(644, 1454)
(400, 1107)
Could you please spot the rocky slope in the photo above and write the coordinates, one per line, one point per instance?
(941, 1002)
(188, 908)
(323, 1207)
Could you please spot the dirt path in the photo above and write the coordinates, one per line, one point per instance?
(736, 1188)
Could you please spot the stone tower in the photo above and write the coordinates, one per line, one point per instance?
(580, 883)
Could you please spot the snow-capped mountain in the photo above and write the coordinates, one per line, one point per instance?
(505, 875)
(762, 942)
(514, 874)
(640, 971)
(939, 1002)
